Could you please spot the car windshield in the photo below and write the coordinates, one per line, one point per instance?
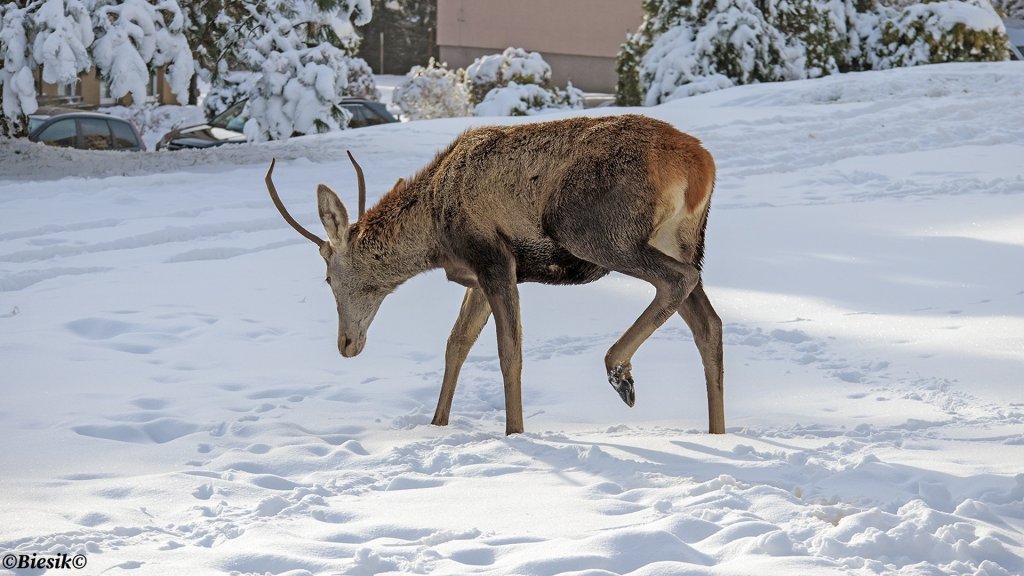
(233, 118)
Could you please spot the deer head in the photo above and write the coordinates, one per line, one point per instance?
(357, 294)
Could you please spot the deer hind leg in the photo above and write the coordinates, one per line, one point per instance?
(673, 281)
(706, 326)
(472, 318)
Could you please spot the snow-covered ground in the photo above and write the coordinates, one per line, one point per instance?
(174, 403)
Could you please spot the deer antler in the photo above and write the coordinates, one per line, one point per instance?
(362, 183)
(280, 208)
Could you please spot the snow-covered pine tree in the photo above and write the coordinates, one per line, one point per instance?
(659, 17)
(716, 44)
(686, 47)
(135, 36)
(295, 65)
(62, 39)
(51, 35)
(736, 40)
(213, 30)
(1010, 8)
(815, 31)
(17, 86)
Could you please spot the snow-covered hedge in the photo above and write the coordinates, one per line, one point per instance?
(433, 91)
(517, 99)
(516, 83)
(945, 31)
(361, 83)
(513, 65)
(513, 83)
(686, 47)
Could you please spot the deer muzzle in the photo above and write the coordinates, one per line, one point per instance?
(351, 344)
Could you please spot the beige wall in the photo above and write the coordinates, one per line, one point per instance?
(88, 89)
(578, 38)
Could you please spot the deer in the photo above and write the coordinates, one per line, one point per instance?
(561, 202)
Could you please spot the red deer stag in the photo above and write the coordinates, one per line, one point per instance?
(561, 202)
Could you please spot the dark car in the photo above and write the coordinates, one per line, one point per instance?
(86, 131)
(226, 128)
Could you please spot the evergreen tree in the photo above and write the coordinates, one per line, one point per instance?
(295, 65)
(214, 31)
(134, 37)
(944, 31)
(410, 35)
(686, 47)
(1010, 8)
(124, 39)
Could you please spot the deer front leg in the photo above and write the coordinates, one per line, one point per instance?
(472, 318)
(673, 282)
(503, 296)
(706, 326)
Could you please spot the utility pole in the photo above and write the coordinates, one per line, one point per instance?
(381, 52)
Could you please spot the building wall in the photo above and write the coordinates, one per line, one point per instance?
(88, 91)
(578, 38)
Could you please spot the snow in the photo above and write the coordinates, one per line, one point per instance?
(695, 49)
(136, 35)
(428, 92)
(527, 99)
(19, 92)
(62, 42)
(175, 403)
(947, 14)
(513, 64)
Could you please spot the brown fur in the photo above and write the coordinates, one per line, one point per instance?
(561, 202)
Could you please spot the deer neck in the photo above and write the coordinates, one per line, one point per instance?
(396, 239)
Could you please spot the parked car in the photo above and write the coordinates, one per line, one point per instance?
(226, 128)
(86, 131)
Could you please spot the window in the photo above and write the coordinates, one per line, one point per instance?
(105, 97)
(357, 120)
(153, 87)
(233, 118)
(124, 136)
(95, 133)
(69, 89)
(61, 133)
(363, 115)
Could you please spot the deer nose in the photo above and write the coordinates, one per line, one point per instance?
(349, 346)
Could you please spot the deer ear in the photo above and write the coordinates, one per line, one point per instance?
(332, 214)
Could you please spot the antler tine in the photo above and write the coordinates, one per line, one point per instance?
(362, 183)
(284, 213)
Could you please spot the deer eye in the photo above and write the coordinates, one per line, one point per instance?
(328, 280)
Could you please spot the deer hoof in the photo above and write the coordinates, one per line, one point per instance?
(621, 379)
